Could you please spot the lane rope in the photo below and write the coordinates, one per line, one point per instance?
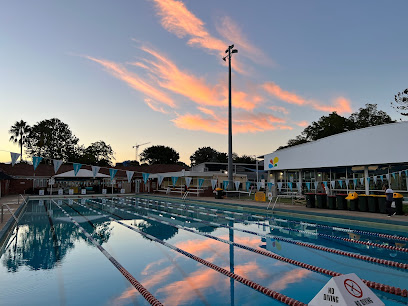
(139, 287)
(258, 251)
(266, 291)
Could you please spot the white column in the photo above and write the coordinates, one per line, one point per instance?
(367, 186)
(300, 182)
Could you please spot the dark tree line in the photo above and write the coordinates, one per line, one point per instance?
(335, 124)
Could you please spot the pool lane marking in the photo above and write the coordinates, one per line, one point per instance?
(258, 251)
(346, 230)
(378, 245)
(53, 234)
(139, 287)
(266, 291)
(304, 244)
(361, 232)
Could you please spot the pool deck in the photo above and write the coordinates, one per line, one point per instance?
(399, 223)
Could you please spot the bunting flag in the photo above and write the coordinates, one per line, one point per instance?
(14, 157)
(315, 184)
(200, 182)
(145, 177)
(325, 184)
(160, 179)
(213, 183)
(393, 175)
(388, 177)
(362, 180)
(308, 185)
(368, 180)
(188, 181)
(375, 179)
(76, 168)
(57, 164)
(280, 186)
(347, 182)
(269, 184)
(248, 184)
(341, 183)
(290, 185)
(291, 179)
(333, 184)
(225, 184)
(355, 182)
(129, 175)
(36, 161)
(95, 170)
(406, 171)
(112, 173)
(258, 185)
(237, 183)
(174, 180)
(399, 173)
(382, 178)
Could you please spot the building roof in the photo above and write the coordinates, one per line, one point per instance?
(381, 144)
(82, 173)
(4, 176)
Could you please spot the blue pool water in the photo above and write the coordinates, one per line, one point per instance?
(48, 260)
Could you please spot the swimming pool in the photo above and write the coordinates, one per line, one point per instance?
(185, 253)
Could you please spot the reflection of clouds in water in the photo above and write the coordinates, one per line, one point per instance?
(151, 265)
(292, 276)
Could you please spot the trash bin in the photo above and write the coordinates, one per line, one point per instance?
(331, 202)
(310, 200)
(352, 198)
(398, 203)
(362, 202)
(382, 206)
(341, 201)
(321, 200)
(218, 193)
(372, 203)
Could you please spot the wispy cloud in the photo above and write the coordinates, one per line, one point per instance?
(134, 81)
(290, 277)
(340, 105)
(280, 109)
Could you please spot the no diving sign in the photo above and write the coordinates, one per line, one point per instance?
(346, 290)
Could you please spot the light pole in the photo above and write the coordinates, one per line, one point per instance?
(230, 50)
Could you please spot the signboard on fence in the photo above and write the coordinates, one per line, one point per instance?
(104, 191)
(260, 196)
(60, 191)
(122, 190)
(71, 191)
(83, 191)
(41, 192)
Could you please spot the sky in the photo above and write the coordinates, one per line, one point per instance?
(131, 72)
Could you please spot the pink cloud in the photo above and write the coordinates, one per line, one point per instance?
(290, 277)
(280, 109)
(302, 123)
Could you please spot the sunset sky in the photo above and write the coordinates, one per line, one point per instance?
(139, 71)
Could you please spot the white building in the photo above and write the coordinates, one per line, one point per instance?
(361, 160)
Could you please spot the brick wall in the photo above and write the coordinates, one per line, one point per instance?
(20, 186)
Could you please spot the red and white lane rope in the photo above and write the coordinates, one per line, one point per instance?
(304, 244)
(375, 285)
(139, 287)
(268, 292)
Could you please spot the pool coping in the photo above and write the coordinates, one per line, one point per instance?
(9, 226)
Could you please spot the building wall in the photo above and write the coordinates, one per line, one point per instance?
(20, 186)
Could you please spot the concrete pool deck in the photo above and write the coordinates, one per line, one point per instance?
(396, 222)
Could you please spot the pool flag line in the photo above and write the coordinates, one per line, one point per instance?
(76, 168)
(36, 161)
(129, 175)
(95, 170)
(57, 164)
(213, 183)
(14, 157)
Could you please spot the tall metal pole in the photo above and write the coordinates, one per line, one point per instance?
(230, 173)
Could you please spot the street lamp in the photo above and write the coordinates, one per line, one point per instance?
(230, 50)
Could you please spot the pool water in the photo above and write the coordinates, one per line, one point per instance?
(49, 261)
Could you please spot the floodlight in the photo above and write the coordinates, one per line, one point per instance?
(234, 51)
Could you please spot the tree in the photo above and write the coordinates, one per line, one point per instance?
(244, 159)
(98, 153)
(400, 102)
(19, 132)
(204, 154)
(159, 155)
(326, 126)
(52, 139)
(369, 116)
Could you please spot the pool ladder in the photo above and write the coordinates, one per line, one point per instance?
(185, 195)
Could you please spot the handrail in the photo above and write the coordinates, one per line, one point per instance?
(185, 195)
(2, 205)
(23, 199)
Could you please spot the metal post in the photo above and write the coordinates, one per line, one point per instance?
(367, 186)
(230, 174)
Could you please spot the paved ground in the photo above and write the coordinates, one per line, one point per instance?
(297, 209)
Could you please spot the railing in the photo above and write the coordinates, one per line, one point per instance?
(2, 211)
(23, 199)
(185, 195)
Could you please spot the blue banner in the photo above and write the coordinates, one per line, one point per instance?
(325, 184)
(112, 173)
(269, 184)
(36, 161)
(290, 185)
(225, 184)
(174, 180)
(213, 183)
(237, 183)
(248, 184)
(368, 180)
(362, 180)
(160, 179)
(76, 168)
(341, 183)
(258, 185)
(145, 177)
(188, 181)
(355, 182)
(14, 157)
(393, 175)
(406, 172)
(200, 182)
(308, 185)
(95, 170)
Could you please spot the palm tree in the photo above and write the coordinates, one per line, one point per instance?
(19, 133)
